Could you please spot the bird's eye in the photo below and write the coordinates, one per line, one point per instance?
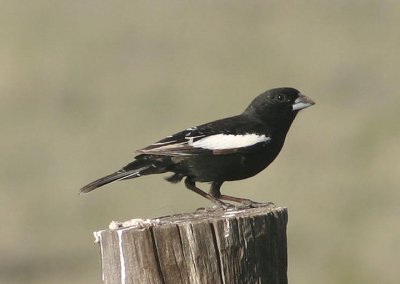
(280, 98)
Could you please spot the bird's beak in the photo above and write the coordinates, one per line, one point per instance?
(302, 102)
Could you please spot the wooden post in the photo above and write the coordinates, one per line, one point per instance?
(208, 246)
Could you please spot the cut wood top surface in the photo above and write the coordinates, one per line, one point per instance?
(197, 216)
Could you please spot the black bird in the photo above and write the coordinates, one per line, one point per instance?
(228, 149)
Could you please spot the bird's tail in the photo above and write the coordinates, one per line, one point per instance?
(135, 169)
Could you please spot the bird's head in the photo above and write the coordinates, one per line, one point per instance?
(278, 106)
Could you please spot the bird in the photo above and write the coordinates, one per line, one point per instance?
(228, 149)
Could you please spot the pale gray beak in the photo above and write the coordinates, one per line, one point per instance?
(302, 102)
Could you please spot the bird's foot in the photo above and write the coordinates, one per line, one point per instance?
(217, 206)
(244, 202)
(223, 205)
(253, 204)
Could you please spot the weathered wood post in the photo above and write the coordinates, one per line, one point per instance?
(211, 246)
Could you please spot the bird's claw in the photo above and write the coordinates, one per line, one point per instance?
(224, 205)
(244, 204)
(253, 204)
(201, 210)
(218, 205)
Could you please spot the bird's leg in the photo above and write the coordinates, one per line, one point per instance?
(190, 184)
(215, 189)
(215, 192)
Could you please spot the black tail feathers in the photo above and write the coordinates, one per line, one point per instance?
(134, 169)
(120, 175)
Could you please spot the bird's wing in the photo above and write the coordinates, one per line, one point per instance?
(220, 137)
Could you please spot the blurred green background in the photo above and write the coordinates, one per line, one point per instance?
(85, 83)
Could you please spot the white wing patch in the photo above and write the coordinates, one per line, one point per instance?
(228, 141)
